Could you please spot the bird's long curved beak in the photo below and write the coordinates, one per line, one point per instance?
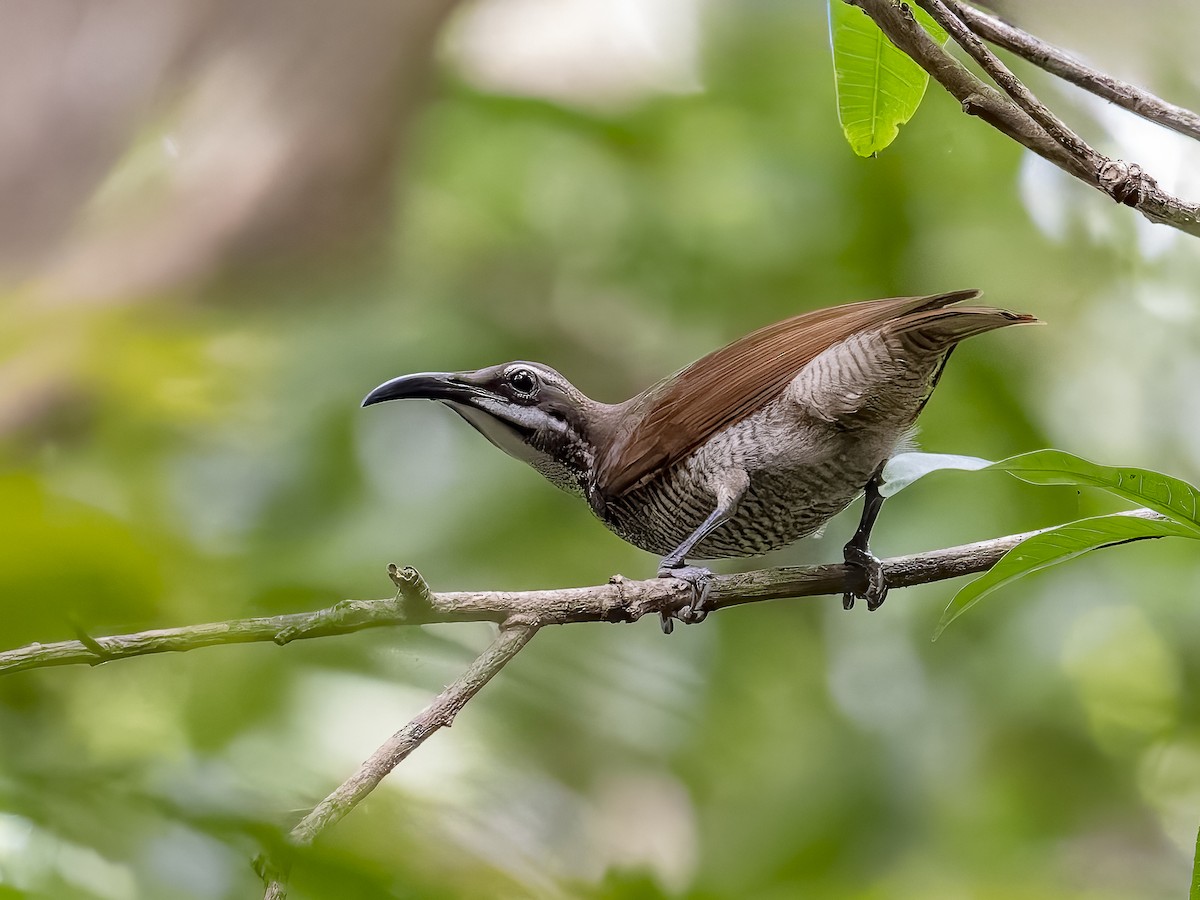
(446, 386)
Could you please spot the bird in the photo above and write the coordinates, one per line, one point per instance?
(748, 449)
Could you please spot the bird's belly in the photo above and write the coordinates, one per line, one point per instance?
(781, 505)
(776, 511)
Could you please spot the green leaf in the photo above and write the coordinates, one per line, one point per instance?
(1054, 546)
(1172, 497)
(878, 86)
(905, 468)
(1194, 893)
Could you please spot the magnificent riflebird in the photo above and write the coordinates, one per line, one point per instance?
(748, 449)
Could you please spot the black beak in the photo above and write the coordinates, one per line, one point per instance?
(422, 386)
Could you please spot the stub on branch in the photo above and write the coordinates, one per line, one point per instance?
(1126, 183)
(418, 599)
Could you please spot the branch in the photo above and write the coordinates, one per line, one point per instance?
(439, 714)
(1011, 84)
(520, 615)
(1126, 183)
(1061, 64)
(621, 600)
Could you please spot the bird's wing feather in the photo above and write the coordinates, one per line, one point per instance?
(674, 418)
(878, 373)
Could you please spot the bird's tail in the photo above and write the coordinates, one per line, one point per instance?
(936, 331)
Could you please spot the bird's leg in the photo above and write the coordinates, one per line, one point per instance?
(857, 552)
(673, 566)
(729, 494)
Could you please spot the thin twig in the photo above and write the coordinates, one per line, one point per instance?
(897, 22)
(1012, 85)
(438, 714)
(1061, 64)
(1125, 182)
(621, 600)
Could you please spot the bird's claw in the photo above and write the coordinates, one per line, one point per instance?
(698, 579)
(877, 587)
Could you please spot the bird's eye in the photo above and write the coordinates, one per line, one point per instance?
(523, 382)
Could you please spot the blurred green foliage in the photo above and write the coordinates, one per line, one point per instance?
(208, 460)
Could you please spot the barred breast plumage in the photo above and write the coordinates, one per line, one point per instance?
(807, 454)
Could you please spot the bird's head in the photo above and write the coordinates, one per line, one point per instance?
(527, 409)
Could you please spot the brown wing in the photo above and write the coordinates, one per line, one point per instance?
(720, 389)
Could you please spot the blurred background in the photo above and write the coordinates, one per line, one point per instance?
(222, 223)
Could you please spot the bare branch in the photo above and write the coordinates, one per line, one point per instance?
(621, 600)
(520, 615)
(1126, 183)
(438, 714)
(1011, 84)
(1060, 63)
(896, 21)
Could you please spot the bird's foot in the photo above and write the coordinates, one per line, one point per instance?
(698, 579)
(877, 588)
